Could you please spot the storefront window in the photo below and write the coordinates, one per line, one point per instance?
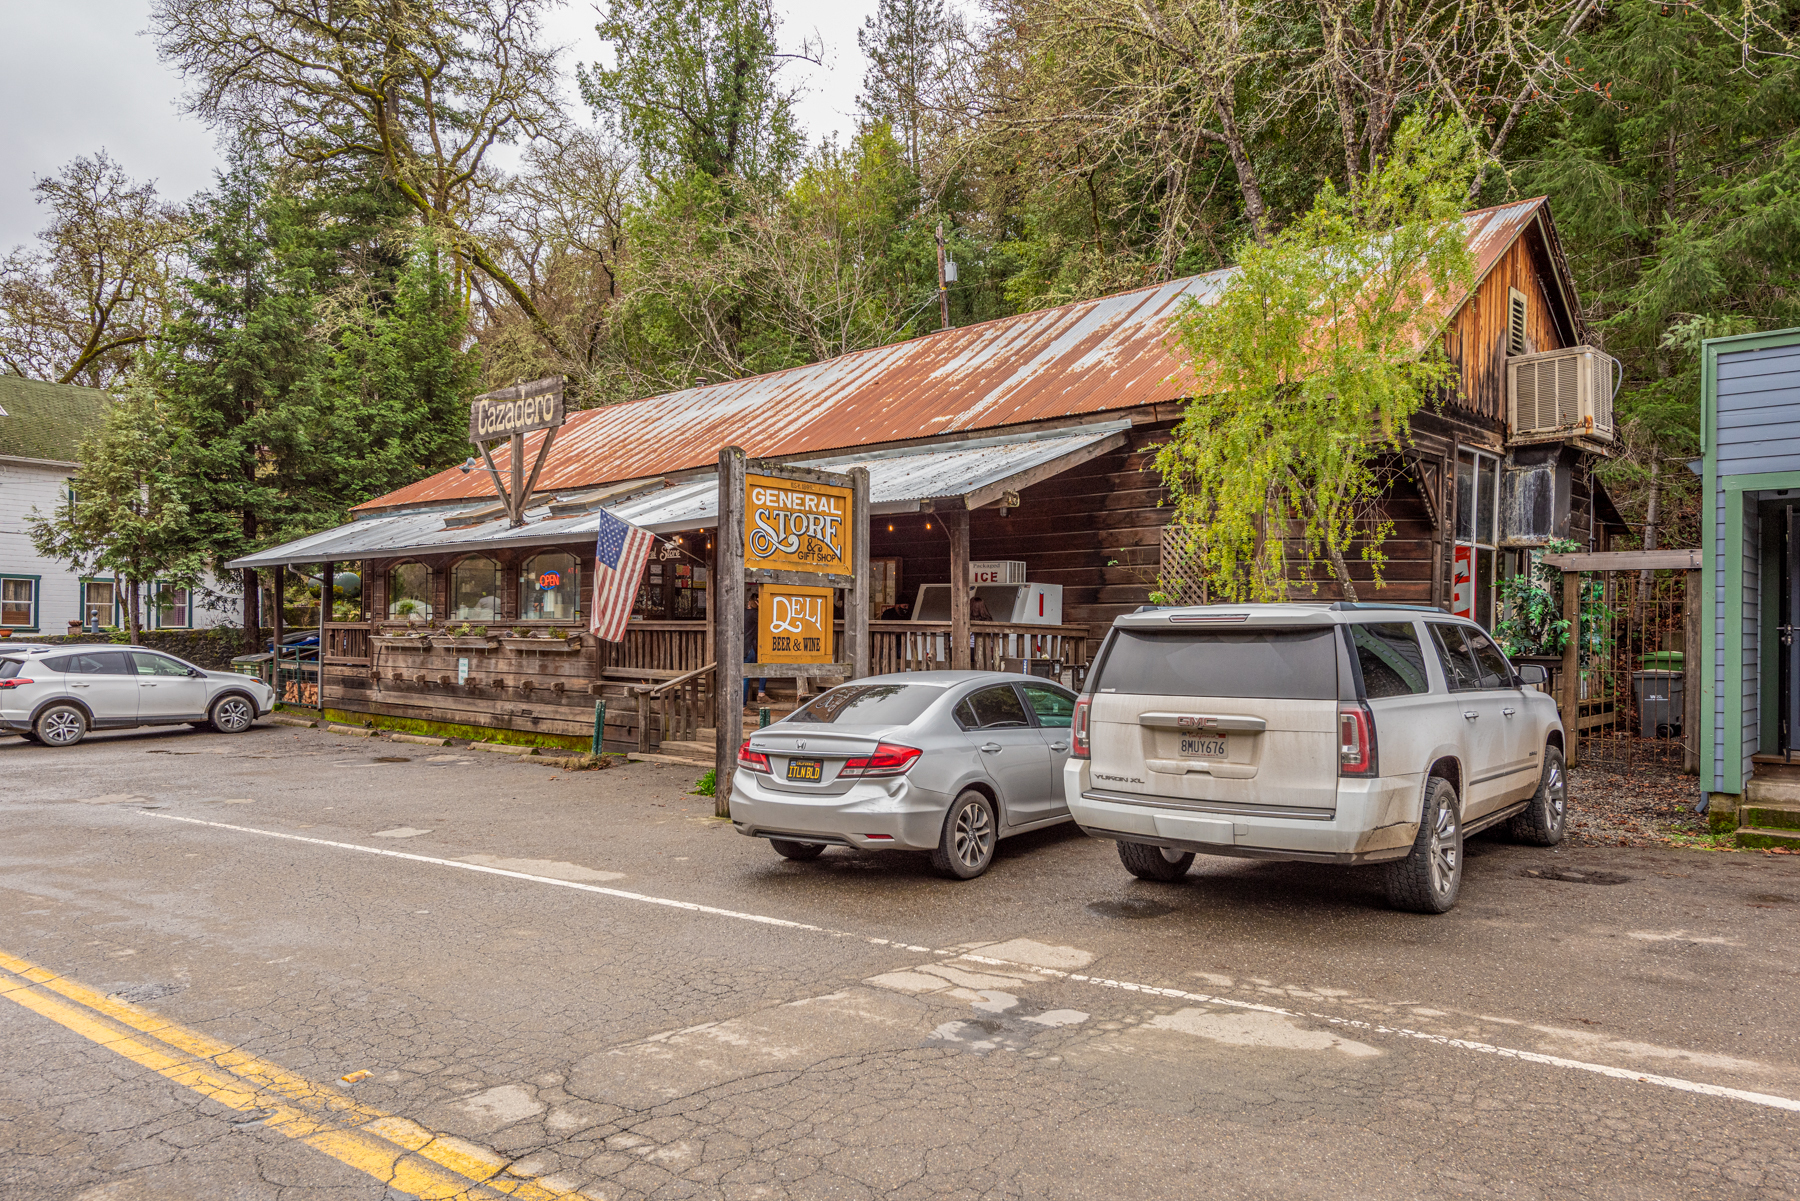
(409, 592)
(652, 604)
(475, 590)
(550, 589)
(347, 592)
(1477, 513)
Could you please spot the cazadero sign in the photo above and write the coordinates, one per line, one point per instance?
(520, 410)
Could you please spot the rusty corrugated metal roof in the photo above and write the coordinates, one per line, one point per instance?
(1071, 361)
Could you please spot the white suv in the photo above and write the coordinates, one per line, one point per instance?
(1341, 733)
(56, 694)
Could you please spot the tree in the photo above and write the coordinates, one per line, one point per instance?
(695, 88)
(1311, 361)
(124, 512)
(83, 304)
(420, 92)
(907, 43)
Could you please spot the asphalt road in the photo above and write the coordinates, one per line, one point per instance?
(538, 982)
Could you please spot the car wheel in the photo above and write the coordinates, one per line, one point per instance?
(1428, 879)
(61, 725)
(1154, 863)
(1542, 822)
(966, 847)
(231, 715)
(787, 848)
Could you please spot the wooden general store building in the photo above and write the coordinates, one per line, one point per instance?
(1027, 439)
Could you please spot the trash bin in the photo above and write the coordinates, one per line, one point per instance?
(1658, 702)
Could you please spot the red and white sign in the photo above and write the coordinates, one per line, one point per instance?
(1462, 583)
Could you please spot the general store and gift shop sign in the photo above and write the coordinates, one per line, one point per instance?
(797, 525)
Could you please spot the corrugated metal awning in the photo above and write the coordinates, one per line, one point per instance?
(973, 472)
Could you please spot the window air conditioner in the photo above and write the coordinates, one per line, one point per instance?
(1561, 392)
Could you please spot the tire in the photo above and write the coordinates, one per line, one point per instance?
(61, 725)
(966, 847)
(1153, 863)
(787, 848)
(1430, 877)
(1543, 822)
(231, 714)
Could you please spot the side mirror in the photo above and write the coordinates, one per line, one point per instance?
(1534, 673)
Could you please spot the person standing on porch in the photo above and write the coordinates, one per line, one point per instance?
(752, 627)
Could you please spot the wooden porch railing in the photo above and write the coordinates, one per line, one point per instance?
(679, 707)
(660, 646)
(346, 642)
(925, 646)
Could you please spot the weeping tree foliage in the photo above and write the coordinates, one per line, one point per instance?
(1310, 363)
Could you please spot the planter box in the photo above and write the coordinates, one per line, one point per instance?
(463, 644)
(401, 642)
(541, 644)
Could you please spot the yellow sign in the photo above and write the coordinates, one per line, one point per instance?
(793, 624)
(796, 525)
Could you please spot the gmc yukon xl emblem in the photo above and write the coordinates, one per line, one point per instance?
(1197, 723)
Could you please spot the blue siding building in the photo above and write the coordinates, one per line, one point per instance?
(1750, 430)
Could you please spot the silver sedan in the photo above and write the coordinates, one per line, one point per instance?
(941, 761)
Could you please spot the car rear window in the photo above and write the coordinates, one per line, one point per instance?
(868, 705)
(1287, 665)
(10, 668)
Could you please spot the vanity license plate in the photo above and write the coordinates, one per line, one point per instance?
(805, 769)
(1204, 748)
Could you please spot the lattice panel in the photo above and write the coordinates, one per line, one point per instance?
(1178, 571)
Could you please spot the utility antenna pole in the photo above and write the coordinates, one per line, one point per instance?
(943, 292)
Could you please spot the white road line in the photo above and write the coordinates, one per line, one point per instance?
(620, 893)
(1768, 1100)
(1442, 1040)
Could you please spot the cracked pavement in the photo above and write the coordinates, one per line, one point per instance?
(586, 982)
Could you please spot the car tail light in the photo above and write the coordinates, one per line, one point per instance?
(1078, 729)
(887, 760)
(1356, 740)
(752, 760)
(16, 682)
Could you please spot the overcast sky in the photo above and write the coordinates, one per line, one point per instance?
(80, 76)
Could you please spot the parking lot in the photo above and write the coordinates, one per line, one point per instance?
(291, 963)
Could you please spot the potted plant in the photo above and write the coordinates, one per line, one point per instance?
(523, 638)
(411, 638)
(1533, 628)
(463, 637)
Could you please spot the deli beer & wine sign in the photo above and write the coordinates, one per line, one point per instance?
(797, 525)
(795, 624)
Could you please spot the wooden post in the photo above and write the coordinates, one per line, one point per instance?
(516, 503)
(856, 605)
(1571, 681)
(956, 522)
(278, 582)
(712, 599)
(1693, 664)
(728, 626)
(326, 572)
(643, 719)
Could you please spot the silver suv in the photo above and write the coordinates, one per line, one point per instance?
(56, 694)
(1342, 733)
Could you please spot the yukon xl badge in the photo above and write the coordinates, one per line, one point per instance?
(1117, 779)
(1197, 723)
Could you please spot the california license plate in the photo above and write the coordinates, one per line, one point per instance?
(805, 769)
(1203, 748)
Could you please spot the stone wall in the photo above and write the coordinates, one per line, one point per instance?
(212, 648)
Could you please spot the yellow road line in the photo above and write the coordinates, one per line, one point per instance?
(393, 1150)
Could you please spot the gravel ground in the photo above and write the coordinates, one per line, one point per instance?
(1641, 806)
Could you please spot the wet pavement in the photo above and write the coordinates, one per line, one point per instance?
(293, 964)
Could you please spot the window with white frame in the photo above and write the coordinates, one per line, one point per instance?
(99, 604)
(1477, 531)
(172, 607)
(18, 602)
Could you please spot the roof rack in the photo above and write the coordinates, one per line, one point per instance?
(1363, 606)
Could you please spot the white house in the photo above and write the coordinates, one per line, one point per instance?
(41, 427)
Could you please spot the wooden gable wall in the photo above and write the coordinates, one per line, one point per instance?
(1476, 339)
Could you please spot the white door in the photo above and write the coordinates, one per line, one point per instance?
(1486, 749)
(166, 689)
(103, 681)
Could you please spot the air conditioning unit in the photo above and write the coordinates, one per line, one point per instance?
(1561, 393)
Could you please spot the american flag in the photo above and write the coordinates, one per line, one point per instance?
(619, 557)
